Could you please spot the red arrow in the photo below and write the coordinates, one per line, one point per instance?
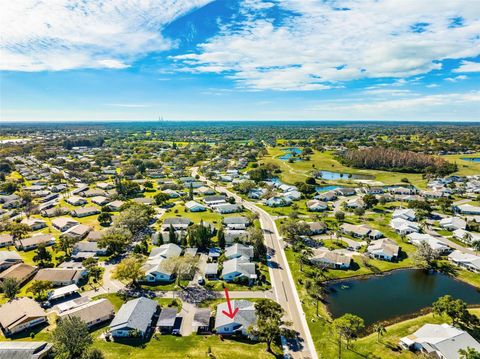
(229, 314)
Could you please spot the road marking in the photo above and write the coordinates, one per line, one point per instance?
(286, 297)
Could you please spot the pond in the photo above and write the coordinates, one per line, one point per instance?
(328, 175)
(471, 159)
(291, 152)
(326, 188)
(396, 294)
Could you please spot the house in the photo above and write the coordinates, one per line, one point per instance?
(238, 250)
(373, 190)
(316, 228)
(84, 250)
(85, 212)
(92, 313)
(149, 201)
(60, 276)
(352, 245)
(355, 203)
(193, 206)
(439, 341)
(436, 244)
(315, 205)
(201, 320)
(8, 259)
(6, 240)
(214, 200)
(238, 268)
(256, 193)
(358, 231)
(96, 192)
(293, 195)
(155, 270)
(236, 222)
(115, 205)
(468, 261)
(20, 314)
(34, 223)
(54, 212)
(467, 209)
(134, 318)
(76, 201)
(404, 227)
(232, 235)
(384, 249)
(28, 350)
(326, 196)
(211, 271)
(77, 232)
(205, 191)
(402, 190)
(278, 202)
(404, 213)
(100, 200)
(166, 320)
(105, 185)
(330, 259)
(465, 236)
(172, 193)
(30, 243)
(21, 272)
(244, 319)
(95, 236)
(453, 223)
(62, 292)
(178, 223)
(228, 208)
(345, 191)
(64, 223)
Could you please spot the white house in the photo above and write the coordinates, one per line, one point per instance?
(239, 324)
(404, 213)
(403, 226)
(238, 268)
(315, 205)
(465, 236)
(468, 209)
(331, 259)
(453, 223)
(465, 260)
(193, 206)
(434, 243)
(384, 249)
(238, 250)
(439, 341)
(134, 317)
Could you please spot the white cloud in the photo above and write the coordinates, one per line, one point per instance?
(62, 34)
(468, 66)
(321, 45)
(456, 78)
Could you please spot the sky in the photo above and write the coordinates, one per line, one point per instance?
(81, 60)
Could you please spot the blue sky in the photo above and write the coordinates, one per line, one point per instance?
(240, 60)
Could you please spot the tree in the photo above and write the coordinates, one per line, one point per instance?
(9, 287)
(172, 236)
(39, 289)
(161, 199)
(305, 254)
(425, 255)
(469, 353)
(105, 219)
(129, 269)
(370, 200)
(455, 309)
(339, 216)
(379, 328)
(66, 244)
(115, 240)
(476, 245)
(348, 326)
(42, 256)
(71, 338)
(315, 289)
(18, 230)
(221, 238)
(93, 353)
(259, 247)
(134, 217)
(182, 267)
(292, 230)
(270, 325)
(190, 191)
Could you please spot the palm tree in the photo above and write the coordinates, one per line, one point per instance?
(316, 290)
(379, 328)
(305, 256)
(476, 246)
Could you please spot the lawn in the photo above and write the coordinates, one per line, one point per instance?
(300, 170)
(465, 168)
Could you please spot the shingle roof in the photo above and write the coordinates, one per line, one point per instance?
(135, 314)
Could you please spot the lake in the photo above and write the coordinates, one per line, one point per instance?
(291, 152)
(398, 293)
(471, 159)
(326, 188)
(328, 175)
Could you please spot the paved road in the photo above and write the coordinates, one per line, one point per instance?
(280, 275)
(448, 242)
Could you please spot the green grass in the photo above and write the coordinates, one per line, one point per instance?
(299, 171)
(465, 168)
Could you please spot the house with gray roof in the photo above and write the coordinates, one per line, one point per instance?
(16, 349)
(238, 268)
(92, 313)
(245, 317)
(384, 249)
(239, 250)
(8, 259)
(166, 320)
(134, 318)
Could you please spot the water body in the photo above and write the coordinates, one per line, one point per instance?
(291, 152)
(471, 159)
(398, 293)
(326, 188)
(328, 175)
